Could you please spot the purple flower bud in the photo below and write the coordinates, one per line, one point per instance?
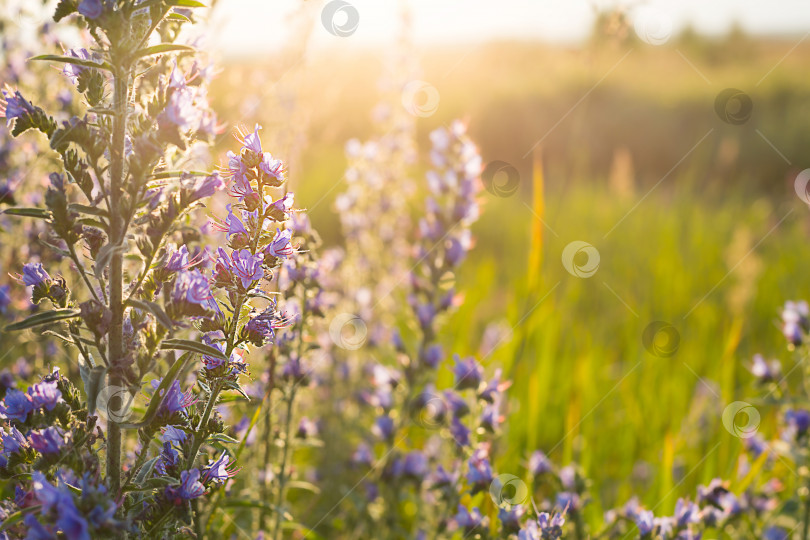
(460, 433)
(91, 8)
(798, 421)
(765, 371)
(306, 429)
(362, 455)
(433, 356)
(469, 373)
(384, 427)
(456, 403)
(539, 463)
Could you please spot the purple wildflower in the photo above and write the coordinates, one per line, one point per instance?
(280, 247)
(13, 441)
(479, 474)
(248, 267)
(272, 167)
(219, 471)
(795, 321)
(306, 429)
(176, 400)
(252, 141)
(798, 421)
(280, 210)
(206, 186)
(192, 287)
(13, 105)
(172, 434)
(470, 520)
(178, 260)
(213, 362)
(458, 406)
(72, 71)
(45, 394)
(34, 274)
(189, 488)
(16, 405)
(48, 441)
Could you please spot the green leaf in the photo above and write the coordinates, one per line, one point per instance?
(178, 17)
(160, 393)
(158, 482)
(192, 346)
(46, 317)
(177, 174)
(65, 8)
(73, 60)
(40, 213)
(153, 308)
(185, 3)
(146, 470)
(306, 486)
(84, 209)
(221, 437)
(163, 48)
(92, 377)
(17, 517)
(104, 257)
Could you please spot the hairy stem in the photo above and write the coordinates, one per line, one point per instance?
(117, 233)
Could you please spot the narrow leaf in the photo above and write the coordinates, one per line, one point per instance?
(73, 60)
(162, 49)
(191, 346)
(155, 309)
(46, 317)
(160, 393)
(40, 213)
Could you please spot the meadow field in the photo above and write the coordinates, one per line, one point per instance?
(696, 222)
(640, 225)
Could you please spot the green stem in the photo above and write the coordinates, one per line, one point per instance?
(282, 473)
(117, 233)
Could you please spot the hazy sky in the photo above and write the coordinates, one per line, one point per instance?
(243, 24)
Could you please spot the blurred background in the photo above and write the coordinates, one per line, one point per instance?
(666, 135)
